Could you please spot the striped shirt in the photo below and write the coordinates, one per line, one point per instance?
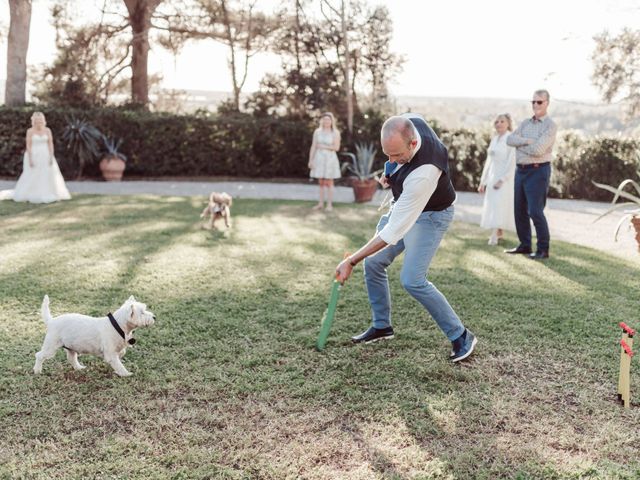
(543, 133)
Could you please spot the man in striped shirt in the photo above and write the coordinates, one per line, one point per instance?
(534, 140)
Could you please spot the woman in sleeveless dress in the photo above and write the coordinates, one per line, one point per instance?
(323, 160)
(41, 180)
(497, 181)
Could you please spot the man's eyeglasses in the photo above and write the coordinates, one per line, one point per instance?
(537, 102)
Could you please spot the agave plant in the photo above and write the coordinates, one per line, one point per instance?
(633, 204)
(82, 140)
(112, 148)
(362, 162)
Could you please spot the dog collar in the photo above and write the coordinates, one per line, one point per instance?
(131, 341)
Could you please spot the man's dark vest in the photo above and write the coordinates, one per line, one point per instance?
(433, 152)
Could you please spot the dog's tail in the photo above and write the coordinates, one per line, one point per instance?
(44, 310)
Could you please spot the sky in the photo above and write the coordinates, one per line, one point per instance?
(454, 48)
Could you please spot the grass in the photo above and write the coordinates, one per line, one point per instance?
(228, 385)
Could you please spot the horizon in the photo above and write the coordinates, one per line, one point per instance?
(588, 118)
(594, 103)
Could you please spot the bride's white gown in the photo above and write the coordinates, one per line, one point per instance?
(42, 183)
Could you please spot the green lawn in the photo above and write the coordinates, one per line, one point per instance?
(227, 384)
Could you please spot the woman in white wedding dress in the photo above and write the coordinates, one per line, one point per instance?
(496, 182)
(41, 180)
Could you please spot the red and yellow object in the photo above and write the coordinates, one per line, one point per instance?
(626, 352)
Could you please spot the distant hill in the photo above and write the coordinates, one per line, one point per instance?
(591, 119)
(452, 112)
(457, 112)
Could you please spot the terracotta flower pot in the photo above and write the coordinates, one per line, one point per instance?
(636, 224)
(112, 168)
(364, 190)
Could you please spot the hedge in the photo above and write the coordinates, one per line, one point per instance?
(239, 145)
(173, 145)
(580, 160)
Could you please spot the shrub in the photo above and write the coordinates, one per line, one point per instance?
(82, 141)
(241, 145)
(579, 161)
(159, 144)
(467, 154)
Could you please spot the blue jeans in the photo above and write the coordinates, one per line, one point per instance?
(530, 198)
(420, 245)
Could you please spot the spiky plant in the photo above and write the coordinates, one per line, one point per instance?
(82, 141)
(362, 162)
(633, 204)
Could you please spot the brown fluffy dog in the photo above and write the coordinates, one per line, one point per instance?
(219, 207)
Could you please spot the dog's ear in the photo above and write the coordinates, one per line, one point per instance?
(133, 310)
(131, 299)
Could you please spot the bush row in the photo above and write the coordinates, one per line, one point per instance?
(579, 161)
(168, 145)
(239, 145)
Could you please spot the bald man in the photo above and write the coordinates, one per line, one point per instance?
(420, 214)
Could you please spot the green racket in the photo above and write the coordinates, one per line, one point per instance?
(329, 314)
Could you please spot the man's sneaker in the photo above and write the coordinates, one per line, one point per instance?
(373, 335)
(463, 346)
(458, 343)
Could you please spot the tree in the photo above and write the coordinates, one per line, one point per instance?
(93, 57)
(616, 68)
(17, 47)
(361, 35)
(310, 78)
(140, 13)
(316, 68)
(343, 41)
(235, 23)
(245, 31)
(377, 62)
(91, 61)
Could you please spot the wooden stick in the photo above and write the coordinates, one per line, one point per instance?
(624, 387)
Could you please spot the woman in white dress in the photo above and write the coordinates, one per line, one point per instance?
(41, 180)
(323, 160)
(497, 181)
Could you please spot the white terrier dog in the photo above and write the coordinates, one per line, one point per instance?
(219, 206)
(107, 337)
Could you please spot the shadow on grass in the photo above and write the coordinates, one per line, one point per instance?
(229, 378)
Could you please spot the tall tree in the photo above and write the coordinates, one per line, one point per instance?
(91, 61)
(140, 13)
(340, 12)
(93, 57)
(237, 24)
(616, 68)
(314, 62)
(377, 63)
(17, 47)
